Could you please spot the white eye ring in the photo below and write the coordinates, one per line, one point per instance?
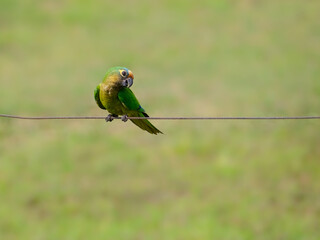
(123, 73)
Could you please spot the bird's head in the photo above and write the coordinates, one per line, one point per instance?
(120, 77)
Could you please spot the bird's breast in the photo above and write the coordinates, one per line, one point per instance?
(109, 97)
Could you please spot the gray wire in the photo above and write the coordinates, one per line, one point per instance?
(160, 118)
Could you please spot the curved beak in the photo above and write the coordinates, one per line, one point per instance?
(128, 81)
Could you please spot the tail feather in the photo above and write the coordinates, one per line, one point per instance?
(145, 124)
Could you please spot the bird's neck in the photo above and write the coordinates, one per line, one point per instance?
(111, 87)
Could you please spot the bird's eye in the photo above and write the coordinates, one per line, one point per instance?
(123, 73)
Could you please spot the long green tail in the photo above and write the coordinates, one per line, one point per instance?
(144, 123)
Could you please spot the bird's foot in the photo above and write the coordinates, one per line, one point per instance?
(124, 118)
(110, 117)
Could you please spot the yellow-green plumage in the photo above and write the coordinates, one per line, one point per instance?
(114, 95)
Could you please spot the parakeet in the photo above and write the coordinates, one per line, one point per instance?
(115, 96)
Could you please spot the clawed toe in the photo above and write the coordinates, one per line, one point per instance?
(124, 118)
(110, 117)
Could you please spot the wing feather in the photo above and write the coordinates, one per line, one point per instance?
(129, 100)
(97, 97)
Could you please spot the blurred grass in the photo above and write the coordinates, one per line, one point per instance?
(201, 180)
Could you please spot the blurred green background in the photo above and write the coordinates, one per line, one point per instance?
(201, 179)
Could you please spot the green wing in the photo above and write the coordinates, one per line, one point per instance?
(129, 100)
(97, 97)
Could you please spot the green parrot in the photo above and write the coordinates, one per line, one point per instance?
(114, 95)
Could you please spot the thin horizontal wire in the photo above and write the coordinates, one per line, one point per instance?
(161, 118)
